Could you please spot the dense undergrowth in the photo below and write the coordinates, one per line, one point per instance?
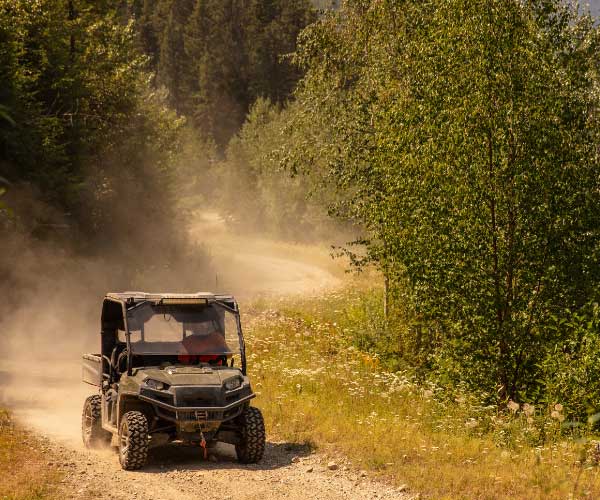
(317, 387)
(24, 475)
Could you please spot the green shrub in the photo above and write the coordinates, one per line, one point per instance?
(570, 369)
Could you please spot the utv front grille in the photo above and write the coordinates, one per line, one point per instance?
(176, 413)
(198, 396)
(199, 415)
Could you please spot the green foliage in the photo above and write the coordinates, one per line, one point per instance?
(91, 151)
(224, 66)
(463, 136)
(570, 368)
(315, 387)
(72, 86)
(173, 61)
(255, 191)
(216, 57)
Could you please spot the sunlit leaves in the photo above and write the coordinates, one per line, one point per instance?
(464, 138)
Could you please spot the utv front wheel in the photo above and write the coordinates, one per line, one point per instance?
(92, 432)
(133, 440)
(252, 443)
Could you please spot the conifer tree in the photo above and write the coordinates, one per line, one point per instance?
(216, 57)
(173, 65)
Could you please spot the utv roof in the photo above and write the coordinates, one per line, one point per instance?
(174, 298)
(114, 304)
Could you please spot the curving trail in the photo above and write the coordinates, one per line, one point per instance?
(48, 399)
(250, 266)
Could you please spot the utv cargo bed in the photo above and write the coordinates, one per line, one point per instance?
(92, 369)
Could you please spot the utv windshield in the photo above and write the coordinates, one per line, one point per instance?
(183, 330)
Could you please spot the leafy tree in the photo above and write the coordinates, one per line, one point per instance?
(150, 23)
(174, 67)
(258, 195)
(91, 146)
(464, 136)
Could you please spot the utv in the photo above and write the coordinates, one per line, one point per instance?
(172, 367)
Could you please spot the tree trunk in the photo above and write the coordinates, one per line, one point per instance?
(71, 16)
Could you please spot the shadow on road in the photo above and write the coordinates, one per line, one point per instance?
(177, 457)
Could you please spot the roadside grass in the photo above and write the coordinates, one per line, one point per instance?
(314, 387)
(24, 473)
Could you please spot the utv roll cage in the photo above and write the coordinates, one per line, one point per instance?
(114, 318)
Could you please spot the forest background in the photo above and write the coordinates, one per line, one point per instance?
(461, 137)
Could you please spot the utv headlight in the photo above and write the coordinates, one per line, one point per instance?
(233, 383)
(156, 384)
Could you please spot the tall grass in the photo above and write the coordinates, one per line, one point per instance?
(315, 386)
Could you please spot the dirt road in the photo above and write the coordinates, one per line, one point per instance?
(251, 266)
(49, 401)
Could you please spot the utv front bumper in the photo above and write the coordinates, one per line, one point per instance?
(197, 404)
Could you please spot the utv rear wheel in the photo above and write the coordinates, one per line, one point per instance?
(94, 436)
(133, 440)
(252, 444)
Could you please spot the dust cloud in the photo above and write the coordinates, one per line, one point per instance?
(49, 316)
(52, 296)
(250, 265)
